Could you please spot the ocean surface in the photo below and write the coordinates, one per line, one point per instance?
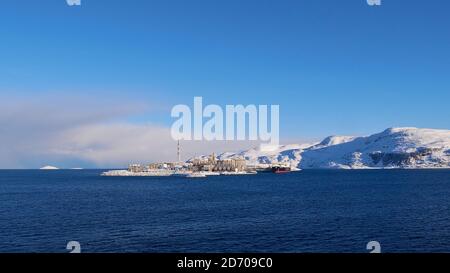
(308, 211)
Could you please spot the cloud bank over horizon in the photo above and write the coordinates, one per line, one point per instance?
(76, 132)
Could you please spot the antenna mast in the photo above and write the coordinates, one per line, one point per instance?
(178, 151)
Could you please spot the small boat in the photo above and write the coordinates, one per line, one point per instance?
(196, 175)
(279, 169)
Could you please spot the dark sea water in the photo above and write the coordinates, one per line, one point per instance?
(309, 211)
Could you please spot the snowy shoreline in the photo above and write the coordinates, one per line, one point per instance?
(165, 173)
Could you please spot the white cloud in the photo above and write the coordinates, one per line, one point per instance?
(73, 133)
(118, 144)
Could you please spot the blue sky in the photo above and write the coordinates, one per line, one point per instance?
(334, 67)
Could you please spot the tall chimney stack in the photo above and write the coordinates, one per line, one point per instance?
(178, 151)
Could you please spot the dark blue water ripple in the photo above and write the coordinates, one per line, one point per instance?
(309, 211)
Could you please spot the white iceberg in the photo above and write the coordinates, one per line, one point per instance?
(49, 168)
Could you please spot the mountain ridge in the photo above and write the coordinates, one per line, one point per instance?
(397, 147)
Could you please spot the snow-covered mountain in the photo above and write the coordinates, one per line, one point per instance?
(262, 155)
(392, 148)
(333, 140)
